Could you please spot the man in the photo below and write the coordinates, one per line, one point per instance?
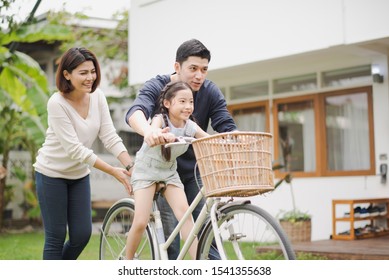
(191, 66)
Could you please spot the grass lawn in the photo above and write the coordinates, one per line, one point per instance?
(29, 246)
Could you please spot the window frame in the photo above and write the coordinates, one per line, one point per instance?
(321, 133)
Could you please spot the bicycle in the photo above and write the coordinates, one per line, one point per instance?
(231, 165)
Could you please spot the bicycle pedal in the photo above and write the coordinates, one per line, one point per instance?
(236, 236)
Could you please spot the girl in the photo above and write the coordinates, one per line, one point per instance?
(158, 164)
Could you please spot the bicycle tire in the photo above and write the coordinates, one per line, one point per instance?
(256, 235)
(117, 222)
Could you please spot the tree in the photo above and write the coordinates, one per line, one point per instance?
(23, 85)
(23, 88)
(112, 43)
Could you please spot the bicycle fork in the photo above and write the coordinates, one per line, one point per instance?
(216, 214)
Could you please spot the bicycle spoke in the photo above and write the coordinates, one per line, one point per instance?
(248, 233)
(114, 233)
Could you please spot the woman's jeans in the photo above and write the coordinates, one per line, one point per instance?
(65, 204)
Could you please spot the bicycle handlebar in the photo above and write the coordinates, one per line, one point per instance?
(181, 140)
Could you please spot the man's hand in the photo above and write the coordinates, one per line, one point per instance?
(169, 137)
(159, 137)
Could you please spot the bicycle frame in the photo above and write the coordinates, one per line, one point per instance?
(220, 225)
(163, 245)
(210, 207)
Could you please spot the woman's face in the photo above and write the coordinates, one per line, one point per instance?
(82, 77)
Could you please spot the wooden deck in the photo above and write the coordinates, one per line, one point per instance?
(362, 249)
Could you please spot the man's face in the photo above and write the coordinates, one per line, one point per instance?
(193, 71)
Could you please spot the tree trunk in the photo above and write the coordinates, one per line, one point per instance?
(2, 190)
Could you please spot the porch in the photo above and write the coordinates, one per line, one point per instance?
(361, 249)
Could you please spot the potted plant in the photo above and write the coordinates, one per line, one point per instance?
(297, 225)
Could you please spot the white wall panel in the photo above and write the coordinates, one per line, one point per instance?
(239, 32)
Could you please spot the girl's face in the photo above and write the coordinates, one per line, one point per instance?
(82, 77)
(181, 106)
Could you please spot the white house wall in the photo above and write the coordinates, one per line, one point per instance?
(244, 31)
(259, 40)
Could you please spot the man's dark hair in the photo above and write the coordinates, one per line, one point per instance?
(192, 47)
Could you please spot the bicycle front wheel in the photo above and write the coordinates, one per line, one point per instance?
(117, 223)
(247, 232)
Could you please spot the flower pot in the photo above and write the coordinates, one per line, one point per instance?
(297, 231)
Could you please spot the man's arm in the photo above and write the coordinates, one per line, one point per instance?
(143, 108)
(152, 136)
(138, 123)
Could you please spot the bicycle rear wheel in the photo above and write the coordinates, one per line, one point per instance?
(247, 232)
(117, 223)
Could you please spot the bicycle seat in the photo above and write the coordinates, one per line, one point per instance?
(159, 190)
(161, 186)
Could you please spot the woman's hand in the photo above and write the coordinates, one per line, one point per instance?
(123, 176)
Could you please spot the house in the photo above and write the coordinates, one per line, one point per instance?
(313, 73)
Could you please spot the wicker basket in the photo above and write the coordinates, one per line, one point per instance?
(235, 163)
(297, 231)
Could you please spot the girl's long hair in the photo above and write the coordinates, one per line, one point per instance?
(168, 93)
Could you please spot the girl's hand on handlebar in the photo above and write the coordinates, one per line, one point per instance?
(156, 137)
(182, 140)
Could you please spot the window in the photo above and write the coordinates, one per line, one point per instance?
(251, 116)
(347, 76)
(321, 134)
(295, 137)
(297, 83)
(327, 134)
(249, 91)
(348, 125)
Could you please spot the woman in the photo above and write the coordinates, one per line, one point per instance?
(77, 114)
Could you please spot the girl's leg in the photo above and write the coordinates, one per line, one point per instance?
(79, 217)
(53, 196)
(143, 203)
(177, 200)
